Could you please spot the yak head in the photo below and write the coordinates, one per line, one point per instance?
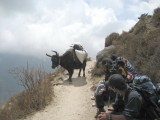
(54, 59)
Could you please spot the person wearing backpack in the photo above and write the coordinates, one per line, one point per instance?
(149, 92)
(133, 101)
(127, 64)
(104, 93)
(107, 65)
(100, 97)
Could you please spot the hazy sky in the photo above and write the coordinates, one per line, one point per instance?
(34, 27)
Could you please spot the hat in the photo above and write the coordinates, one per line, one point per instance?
(116, 81)
(113, 57)
(120, 62)
(106, 60)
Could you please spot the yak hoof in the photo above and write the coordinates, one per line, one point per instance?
(70, 81)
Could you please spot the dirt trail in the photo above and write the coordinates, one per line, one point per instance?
(71, 101)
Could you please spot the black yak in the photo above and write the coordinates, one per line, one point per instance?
(69, 61)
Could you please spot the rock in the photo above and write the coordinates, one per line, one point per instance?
(110, 38)
(104, 53)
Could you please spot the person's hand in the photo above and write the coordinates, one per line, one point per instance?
(102, 116)
(102, 90)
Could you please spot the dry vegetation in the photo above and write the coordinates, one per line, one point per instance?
(97, 74)
(110, 38)
(37, 94)
(141, 45)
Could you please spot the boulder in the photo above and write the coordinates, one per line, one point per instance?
(106, 52)
(110, 38)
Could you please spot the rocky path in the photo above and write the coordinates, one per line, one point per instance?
(71, 101)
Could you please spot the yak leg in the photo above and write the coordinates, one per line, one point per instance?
(84, 72)
(84, 67)
(79, 74)
(70, 75)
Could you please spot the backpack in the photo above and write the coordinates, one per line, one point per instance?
(118, 68)
(77, 47)
(127, 64)
(124, 60)
(148, 91)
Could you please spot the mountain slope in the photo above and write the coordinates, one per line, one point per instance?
(140, 45)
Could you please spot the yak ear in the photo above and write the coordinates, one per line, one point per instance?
(48, 55)
(55, 52)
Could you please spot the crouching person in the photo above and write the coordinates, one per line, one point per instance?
(133, 101)
(102, 93)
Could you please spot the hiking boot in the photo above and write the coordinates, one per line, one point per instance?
(94, 105)
(99, 112)
(92, 98)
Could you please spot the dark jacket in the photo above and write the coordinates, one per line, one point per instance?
(134, 104)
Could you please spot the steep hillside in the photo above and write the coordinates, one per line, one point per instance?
(140, 45)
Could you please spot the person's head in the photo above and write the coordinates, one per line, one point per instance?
(106, 61)
(114, 57)
(120, 63)
(117, 83)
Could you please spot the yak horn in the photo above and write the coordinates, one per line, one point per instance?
(55, 52)
(48, 55)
